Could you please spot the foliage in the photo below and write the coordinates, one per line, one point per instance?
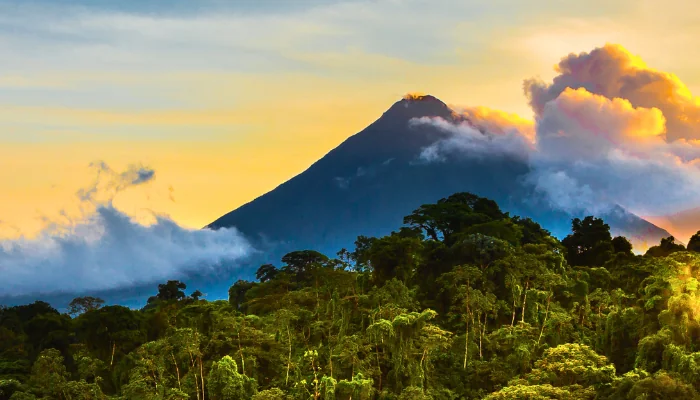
(464, 302)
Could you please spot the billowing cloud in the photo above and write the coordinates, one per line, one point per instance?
(487, 133)
(593, 152)
(613, 72)
(106, 249)
(608, 131)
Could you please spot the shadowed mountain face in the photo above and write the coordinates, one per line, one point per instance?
(370, 182)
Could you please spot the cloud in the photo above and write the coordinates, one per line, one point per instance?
(613, 72)
(593, 153)
(115, 182)
(596, 149)
(608, 131)
(106, 249)
(487, 133)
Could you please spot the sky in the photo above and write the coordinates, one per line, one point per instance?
(228, 99)
(225, 100)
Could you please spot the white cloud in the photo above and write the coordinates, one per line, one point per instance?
(467, 138)
(106, 249)
(609, 131)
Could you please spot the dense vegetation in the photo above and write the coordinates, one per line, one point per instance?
(463, 302)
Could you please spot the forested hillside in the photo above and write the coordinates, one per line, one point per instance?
(463, 302)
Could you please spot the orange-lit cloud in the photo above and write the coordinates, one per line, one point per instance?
(483, 132)
(613, 72)
(500, 122)
(594, 153)
(608, 131)
(578, 124)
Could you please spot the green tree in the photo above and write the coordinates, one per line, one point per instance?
(49, 375)
(266, 272)
(589, 243)
(694, 243)
(665, 248)
(454, 214)
(225, 382)
(80, 305)
(172, 290)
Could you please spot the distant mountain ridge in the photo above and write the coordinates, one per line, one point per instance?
(366, 185)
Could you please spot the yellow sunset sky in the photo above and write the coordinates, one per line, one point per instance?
(227, 100)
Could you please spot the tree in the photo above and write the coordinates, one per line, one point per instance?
(196, 295)
(225, 382)
(22, 396)
(8, 387)
(572, 364)
(660, 386)
(271, 394)
(532, 232)
(590, 242)
(694, 243)
(622, 245)
(80, 305)
(488, 308)
(533, 392)
(302, 263)
(470, 303)
(172, 290)
(110, 333)
(394, 256)
(569, 371)
(49, 375)
(237, 293)
(452, 215)
(667, 246)
(266, 272)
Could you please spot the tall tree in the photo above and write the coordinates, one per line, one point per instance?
(80, 305)
(589, 243)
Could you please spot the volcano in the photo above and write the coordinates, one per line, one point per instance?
(366, 185)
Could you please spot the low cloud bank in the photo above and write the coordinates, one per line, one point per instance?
(106, 249)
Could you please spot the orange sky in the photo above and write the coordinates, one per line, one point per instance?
(223, 117)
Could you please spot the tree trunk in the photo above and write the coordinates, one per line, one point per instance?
(422, 368)
(527, 286)
(289, 356)
(546, 314)
(466, 322)
(240, 351)
(196, 381)
(379, 366)
(330, 358)
(482, 332)
(317, 394)
(177, 369)
(201, 375)
(466, 343)
(111, 361)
